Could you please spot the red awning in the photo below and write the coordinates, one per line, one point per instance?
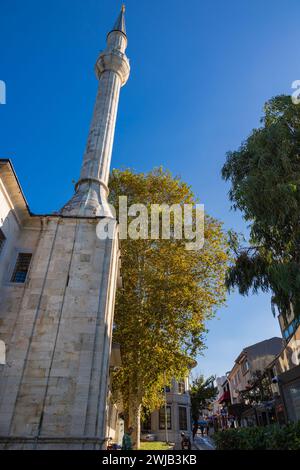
(224, 397)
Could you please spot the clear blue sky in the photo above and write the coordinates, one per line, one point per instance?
(201, 71)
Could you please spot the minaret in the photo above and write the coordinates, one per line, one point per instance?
(112, 70)
(57, 324)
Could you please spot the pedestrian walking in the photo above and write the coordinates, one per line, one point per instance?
(195, 430)
(127, 441)
(203, 424)
(207, 427)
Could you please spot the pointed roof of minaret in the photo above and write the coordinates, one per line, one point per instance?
(120, 23)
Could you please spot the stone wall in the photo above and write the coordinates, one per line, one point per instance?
(57, 328)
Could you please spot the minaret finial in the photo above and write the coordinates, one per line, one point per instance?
(120, 23)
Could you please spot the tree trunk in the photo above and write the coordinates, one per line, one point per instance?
(135, 421)
(126, 420)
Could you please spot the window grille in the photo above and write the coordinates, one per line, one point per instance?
(21, 268)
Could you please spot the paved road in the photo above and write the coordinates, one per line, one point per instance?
(203, 443)
(200, 443)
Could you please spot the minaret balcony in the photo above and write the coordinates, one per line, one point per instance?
(114, 61)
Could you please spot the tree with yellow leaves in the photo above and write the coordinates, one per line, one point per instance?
(168, 294)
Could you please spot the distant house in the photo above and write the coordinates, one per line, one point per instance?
(219, 408)
(252, 361)
(177, 414)
(223, 396)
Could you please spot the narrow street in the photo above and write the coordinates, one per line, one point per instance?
(203, 443)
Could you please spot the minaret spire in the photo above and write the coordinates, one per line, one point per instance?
(112, 70)
(120, 23)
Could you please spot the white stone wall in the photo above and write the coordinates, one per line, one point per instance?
(58, 330)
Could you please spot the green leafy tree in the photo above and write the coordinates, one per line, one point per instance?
(168, 294)
(265, 185)
(258, 389)
(202, 392)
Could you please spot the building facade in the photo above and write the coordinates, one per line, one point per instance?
(176, 413)
(250, 393)
(284, 371)
(57, 291)
(250, 361)
(219, 409)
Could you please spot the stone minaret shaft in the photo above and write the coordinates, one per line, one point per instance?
(112, 70)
